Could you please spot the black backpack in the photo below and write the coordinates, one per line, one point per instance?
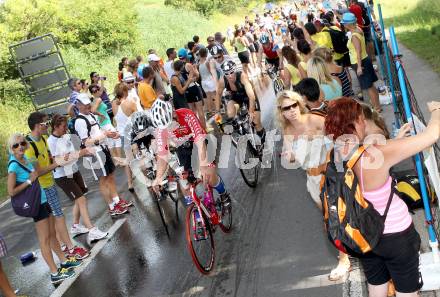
(88, 124)
(339, 40)
(352, 223)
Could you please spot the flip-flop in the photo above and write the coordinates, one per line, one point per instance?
(339, 272)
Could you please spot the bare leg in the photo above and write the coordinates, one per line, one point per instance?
(103, 188)
(199, 111)
(5, 286)
(53, 240)
(61, 232)
(43, 234)
(81, 204)
(75, 212)
(378, 291)
(374, 97)
(413, 294)
(111, 185)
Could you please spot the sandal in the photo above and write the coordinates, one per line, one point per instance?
(339, 272)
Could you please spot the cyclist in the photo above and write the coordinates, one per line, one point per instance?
(240, 88)
(182, 126)
(216, 60)
(272, 54)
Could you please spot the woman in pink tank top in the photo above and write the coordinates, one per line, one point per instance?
(396, 255)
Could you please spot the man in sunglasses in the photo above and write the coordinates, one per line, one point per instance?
(242, 92)
(75, 85)
(38, 153)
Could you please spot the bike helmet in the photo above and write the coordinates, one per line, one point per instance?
(229, 67)
(161, 114)
(215, 50)
(140, 121)
(264, 39)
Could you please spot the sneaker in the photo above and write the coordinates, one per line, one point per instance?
(96, 234)
(78, 229)
(62, 274)
(125, 203)
(71, 262)
(64, 248)
(78, 252)
(117, 210)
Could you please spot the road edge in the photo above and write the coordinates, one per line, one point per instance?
(355, 285)
(94, 252)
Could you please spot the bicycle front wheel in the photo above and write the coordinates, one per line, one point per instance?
(249, 163)
(199, 240)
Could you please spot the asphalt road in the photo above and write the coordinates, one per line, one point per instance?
(277, 246)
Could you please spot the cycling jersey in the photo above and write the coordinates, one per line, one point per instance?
(239, 95)
(189, 128)
(270, 52)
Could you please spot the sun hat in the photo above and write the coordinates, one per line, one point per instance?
(348, 18)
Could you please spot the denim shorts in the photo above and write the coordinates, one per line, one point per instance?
(54, 201)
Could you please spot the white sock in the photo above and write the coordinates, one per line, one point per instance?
(116, 199)
(112, 205)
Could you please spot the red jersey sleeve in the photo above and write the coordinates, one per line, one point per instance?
(188, 119)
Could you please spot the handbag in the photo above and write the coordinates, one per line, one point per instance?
(27, 202)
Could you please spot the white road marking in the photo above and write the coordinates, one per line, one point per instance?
(94, 252)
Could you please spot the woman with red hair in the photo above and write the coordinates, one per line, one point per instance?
(396, 256)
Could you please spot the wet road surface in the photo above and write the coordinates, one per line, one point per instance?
(277, 246)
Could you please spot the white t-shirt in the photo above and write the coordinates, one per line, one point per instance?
(168, 66)
(60, 146)
(81, 127)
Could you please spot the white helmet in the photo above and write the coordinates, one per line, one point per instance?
(161, 114)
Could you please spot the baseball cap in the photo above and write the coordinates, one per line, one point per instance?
(128, 77)
(182, 53)
(84, 99)
(153, 58)
(348, 18)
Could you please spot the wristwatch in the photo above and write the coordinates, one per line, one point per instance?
(28, 181)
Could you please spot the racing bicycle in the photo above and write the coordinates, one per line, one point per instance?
(202, 218)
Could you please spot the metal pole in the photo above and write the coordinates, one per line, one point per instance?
(409, 119)
(376, 45)
(388, 62)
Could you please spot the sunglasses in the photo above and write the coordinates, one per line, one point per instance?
(130, 82)
(23, 144)
(216, 57)
(211, 40)
(289, 107)
(47, 123)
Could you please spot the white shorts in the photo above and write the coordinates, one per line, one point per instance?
(208, 85)
(112, 143)
(313, 186)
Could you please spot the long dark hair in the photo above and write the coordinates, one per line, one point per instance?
(290, 55)
(122, 63)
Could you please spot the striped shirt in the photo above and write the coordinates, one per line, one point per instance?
(347, 91)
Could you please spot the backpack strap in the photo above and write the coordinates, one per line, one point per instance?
(390, 199)
(89, 126)
(34, 146)
(355, 157)
(19, 164)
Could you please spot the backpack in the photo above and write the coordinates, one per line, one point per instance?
(365, 17)
(352, 224)
(339, 40)
(408, 188)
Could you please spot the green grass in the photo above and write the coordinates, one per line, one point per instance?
(417, 26)
(161, 27)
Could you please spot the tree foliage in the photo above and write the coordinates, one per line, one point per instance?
(96, 27)
(208, 7)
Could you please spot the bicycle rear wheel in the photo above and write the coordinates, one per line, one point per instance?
(246, 157)
(200, 241)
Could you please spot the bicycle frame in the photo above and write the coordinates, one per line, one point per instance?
(212, 216)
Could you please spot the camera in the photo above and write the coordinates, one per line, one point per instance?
(103, 78)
